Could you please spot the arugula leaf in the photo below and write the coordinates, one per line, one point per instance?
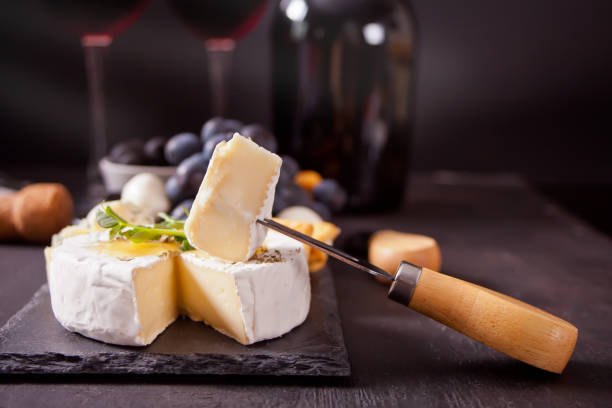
(115, 230)
(171, 227)
(171, 222)
(104, 220)
(186, 246)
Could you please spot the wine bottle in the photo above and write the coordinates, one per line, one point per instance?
(342, 74)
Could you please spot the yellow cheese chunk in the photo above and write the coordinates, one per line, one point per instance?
(237, 190)
(388, 248)
(204, 294)
(155, 290)
(326, 232)
(210, 296)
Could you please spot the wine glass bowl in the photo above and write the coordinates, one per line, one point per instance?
(219, 24)
(219, 20)
(96, 18)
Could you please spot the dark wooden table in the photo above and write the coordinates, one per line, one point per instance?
(493, 231)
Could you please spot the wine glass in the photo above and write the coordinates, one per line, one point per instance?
(219, 24)
(96, 23)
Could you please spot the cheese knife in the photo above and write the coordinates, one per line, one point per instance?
(501, 322)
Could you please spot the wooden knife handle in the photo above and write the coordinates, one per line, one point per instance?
(508, 325)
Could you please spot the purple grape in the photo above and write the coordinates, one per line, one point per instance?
(154, 150)
(190, 173)
(288, 170)
(128, 152)
(321, 209)
(290, 166)
(179, 210)
(330, 193)
(181, 146)
(218, 125)
(173, 190)
(293, 194)
(209, 146)
(261, 136)
(279, 204)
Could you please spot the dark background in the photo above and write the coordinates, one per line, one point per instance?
(504, 86)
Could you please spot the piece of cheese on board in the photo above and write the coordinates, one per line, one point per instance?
(387, 248)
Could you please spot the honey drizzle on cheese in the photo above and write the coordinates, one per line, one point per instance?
(126, 250)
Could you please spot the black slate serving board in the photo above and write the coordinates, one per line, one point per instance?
(33, 342)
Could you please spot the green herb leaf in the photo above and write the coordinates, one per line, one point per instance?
(186, 246)
(171, 222)
(109, 211)
(171, 227)
(114, 231)
(141, 235)
(104, 220)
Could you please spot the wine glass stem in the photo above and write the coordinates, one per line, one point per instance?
(95, 47)
(219, 53)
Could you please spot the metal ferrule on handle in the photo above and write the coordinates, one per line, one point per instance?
(405, 282)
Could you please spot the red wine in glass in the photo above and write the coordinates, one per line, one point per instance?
(220, 19)
(96, 18)
(219, 24)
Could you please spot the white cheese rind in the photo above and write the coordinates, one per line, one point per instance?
(274, 296)
(94, 293)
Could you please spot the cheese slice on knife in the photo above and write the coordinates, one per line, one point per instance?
(125, 293)
(237, 190)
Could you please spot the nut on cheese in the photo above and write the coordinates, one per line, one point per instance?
(238, 188)
(387, 248)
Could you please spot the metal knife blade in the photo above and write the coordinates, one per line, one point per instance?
(328, 249)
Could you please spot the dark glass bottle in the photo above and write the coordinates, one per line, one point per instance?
(342, 93)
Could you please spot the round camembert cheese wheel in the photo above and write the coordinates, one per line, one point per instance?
(125, 293)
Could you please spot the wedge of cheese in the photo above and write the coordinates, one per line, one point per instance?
(237, 190)
(106, 292)
(125, 293)
(388, 248)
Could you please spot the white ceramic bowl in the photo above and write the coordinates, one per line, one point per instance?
(115, 175)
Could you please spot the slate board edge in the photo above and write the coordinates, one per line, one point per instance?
(149, 363)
